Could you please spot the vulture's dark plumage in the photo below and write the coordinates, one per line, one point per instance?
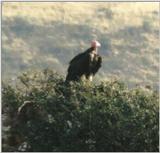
(85, 64)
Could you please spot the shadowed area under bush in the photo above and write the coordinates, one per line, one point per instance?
(77, 116)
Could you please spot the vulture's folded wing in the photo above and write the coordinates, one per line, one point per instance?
(79, 65)
(76, 58)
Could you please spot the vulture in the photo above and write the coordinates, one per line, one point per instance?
(85, 64)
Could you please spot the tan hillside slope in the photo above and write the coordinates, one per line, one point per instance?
(48, 34)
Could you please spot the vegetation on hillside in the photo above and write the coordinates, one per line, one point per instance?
(39, 35)
(77, 116)
(42, 113)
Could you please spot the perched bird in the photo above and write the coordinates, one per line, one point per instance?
(85, 64)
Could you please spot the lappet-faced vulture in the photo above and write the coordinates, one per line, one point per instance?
(85, 64)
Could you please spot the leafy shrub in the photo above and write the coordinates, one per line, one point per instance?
(79, 116)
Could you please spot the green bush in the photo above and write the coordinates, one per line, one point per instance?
(78, 116)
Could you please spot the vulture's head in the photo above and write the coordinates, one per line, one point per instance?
(95, 44)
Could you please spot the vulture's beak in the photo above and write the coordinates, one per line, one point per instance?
(98, 44)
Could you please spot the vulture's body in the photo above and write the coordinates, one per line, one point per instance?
(84, 64)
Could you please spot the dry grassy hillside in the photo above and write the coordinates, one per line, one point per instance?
(38, 35)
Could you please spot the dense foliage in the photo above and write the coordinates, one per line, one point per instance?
(78, 116)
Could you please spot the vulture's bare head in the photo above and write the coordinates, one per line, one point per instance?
(95, 44)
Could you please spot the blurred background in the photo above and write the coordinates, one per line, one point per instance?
(37, 35)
